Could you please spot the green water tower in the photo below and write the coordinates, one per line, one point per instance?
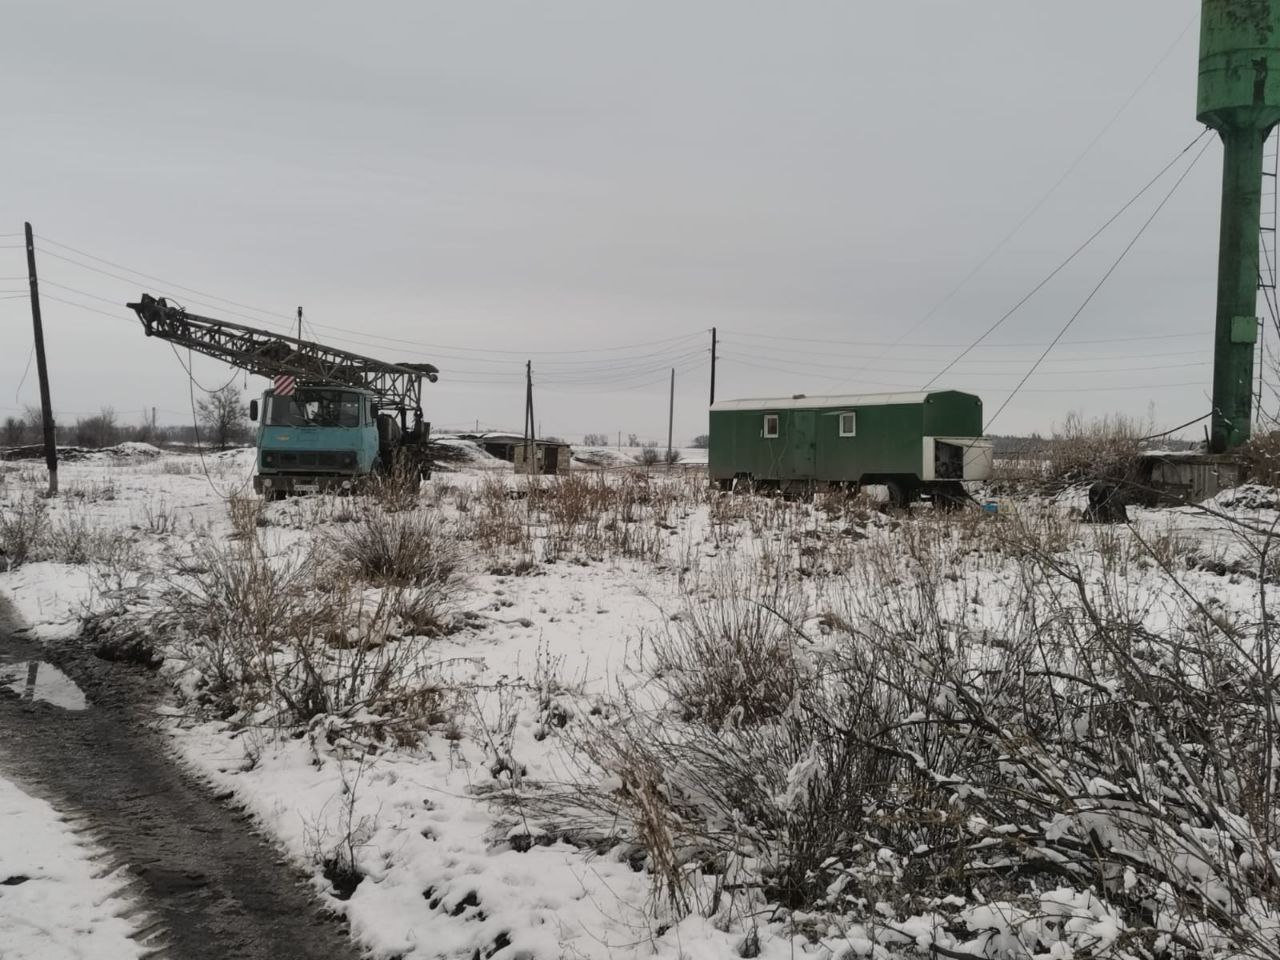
(1239, 97)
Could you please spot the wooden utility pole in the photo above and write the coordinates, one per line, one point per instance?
(42, 369)
(671, 416)
(528, 402)
(299, 323)
(713, 364)
(530, 454)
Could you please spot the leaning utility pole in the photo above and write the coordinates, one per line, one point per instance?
(671, 416)
(42, 369)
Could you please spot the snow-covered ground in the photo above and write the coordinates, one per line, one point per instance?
(556, 624)
(56, 901)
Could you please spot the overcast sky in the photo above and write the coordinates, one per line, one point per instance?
(595, 184)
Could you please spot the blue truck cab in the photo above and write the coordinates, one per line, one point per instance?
(321, 438)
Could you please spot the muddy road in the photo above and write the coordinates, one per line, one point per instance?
(206, 886)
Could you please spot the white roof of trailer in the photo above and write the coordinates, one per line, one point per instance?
(816, 402)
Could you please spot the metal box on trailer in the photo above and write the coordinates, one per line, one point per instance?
(913, 443)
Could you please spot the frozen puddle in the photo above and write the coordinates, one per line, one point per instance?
(37, 680)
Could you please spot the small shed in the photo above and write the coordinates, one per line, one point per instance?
(549, 457)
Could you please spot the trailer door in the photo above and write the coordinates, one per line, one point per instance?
(804, 445)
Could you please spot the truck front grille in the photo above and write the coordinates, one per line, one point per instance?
(309, 460)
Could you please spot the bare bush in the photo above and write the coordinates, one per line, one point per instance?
(1068, 747)
(400, 549)
(24, 529)
(397, 489)
(100, 431)
(286, 640)
(1262, 453)
(74, 538)
(1102, 449)
(733, 658)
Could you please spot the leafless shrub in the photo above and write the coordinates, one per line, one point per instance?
(158, 518)
(74, 538)
(24, 530)
(247, 515)
(336, 848)
(1262, 453)
(291, 639)
(986, 737)
(1102, 449)
(733, 658)
(400, 549)
(100, 431)
(398, 489)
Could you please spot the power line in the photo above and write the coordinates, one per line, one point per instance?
(804, 365)
(1105, 277)
(611, 363)
(1075, 253)
(364, 336)
(170, 283)
(1071, 168)
(800, 355)
(72, 303)
(906, 387)
(1024, 343)
(132, 282)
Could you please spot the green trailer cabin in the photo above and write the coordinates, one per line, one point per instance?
(912, 443)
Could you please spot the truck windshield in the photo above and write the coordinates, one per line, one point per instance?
(315, 408)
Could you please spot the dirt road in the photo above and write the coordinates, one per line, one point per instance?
(207, 887)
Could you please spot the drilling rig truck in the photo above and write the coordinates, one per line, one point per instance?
(331, 421)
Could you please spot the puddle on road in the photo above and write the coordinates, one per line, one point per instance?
(37, 680)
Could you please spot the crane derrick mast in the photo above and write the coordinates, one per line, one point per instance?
(350, 416)
(269, 354)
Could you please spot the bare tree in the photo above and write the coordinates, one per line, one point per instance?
(32, 424)
(13, 432)
(222, 414)
(98, 432)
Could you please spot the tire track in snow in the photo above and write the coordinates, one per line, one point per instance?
(205, 885)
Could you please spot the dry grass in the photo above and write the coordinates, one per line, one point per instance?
(1263, 455)
(398, 549)
(909, 746)
(24, 528)
(1101, 449)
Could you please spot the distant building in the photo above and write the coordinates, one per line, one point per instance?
(549, 457)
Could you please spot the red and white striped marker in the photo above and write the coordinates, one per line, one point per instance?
(284, 385)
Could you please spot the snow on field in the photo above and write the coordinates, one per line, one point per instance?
(557, 622)
(54, 899)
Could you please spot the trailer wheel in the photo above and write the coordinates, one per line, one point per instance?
(948, 496)
(900, 495)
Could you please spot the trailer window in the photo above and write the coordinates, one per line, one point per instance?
(770, 425)
(848, 424)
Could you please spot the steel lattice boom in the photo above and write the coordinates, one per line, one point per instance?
(270, 354)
